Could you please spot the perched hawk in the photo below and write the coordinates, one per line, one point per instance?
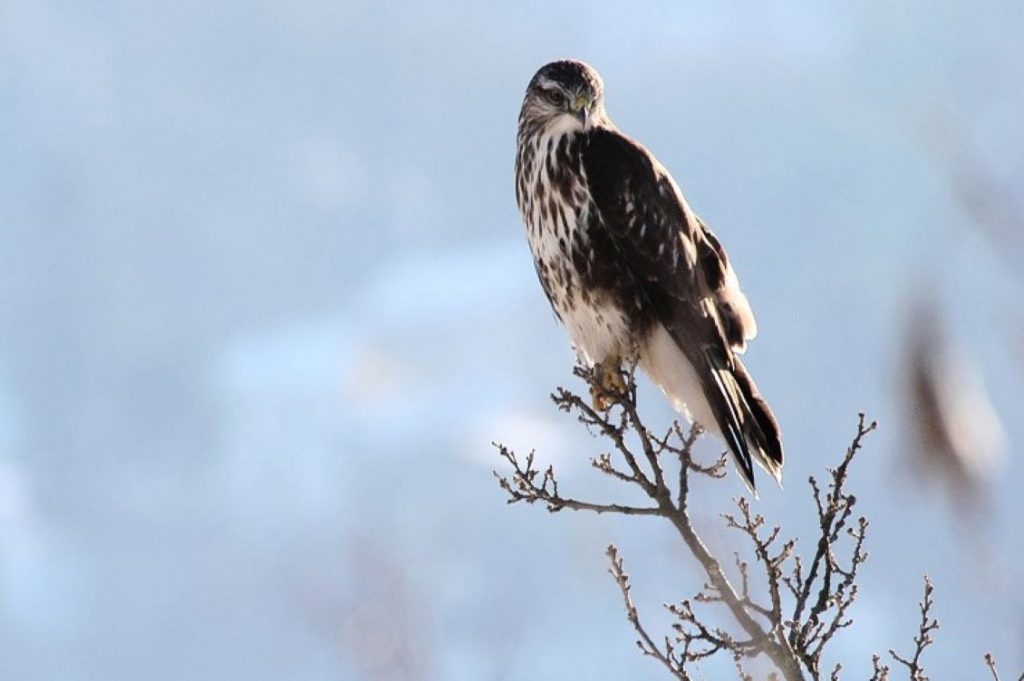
(630, 270)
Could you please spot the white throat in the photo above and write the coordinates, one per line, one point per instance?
(563, 125)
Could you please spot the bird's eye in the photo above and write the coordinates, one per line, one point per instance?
(556, 97)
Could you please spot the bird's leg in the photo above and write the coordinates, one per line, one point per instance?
(610, 386)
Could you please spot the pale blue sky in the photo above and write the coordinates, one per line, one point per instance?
(265, 301)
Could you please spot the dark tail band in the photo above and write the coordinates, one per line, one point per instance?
(744, 417)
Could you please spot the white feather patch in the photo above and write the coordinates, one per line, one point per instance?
(669, 368)
(732, 296)
(597, 331)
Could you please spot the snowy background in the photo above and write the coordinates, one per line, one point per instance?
(265, 301)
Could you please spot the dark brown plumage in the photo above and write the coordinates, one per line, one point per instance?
(627, 266)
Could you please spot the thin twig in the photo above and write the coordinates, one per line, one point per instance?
(819, 592)
(923, 639)
(646, 643)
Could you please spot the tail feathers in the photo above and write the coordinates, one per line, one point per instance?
(743, 416)
(761, 428)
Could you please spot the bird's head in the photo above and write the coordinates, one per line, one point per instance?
(566, 96)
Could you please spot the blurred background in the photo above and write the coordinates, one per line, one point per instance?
(265, 301)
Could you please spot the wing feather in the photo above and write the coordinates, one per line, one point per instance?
(689, 283)
(655, 232)
(734, 310)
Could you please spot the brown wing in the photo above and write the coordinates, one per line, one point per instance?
(676, 260)
(733, 309)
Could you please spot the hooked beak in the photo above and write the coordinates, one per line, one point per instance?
(581, 109)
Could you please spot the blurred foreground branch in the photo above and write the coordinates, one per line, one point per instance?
(806, 600)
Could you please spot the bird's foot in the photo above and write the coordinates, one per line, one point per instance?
(610, 386)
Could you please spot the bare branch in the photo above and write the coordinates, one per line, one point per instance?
(523, 486)
(646, 644)
(824, 593)
(990, 661)
(923, 638)
(881, 671)
(805, 601)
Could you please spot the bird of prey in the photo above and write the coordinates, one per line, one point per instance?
(630, 270)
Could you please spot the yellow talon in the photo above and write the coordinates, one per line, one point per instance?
(610, 386)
